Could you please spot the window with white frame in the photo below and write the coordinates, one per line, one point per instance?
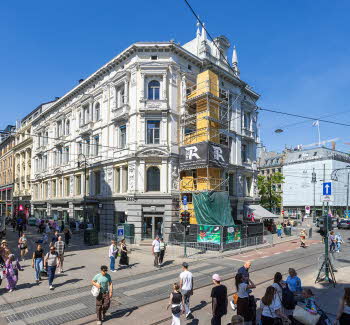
(87, 147)
(122, 136)
(153, 90)
(96, 145)
(153, 131)
(45, 162)
(67, 131)
(85, 114)
(59, 128)
(80, 148)
(97, 111)
(39, 140)
(66, 154)
(59, 156)
(120, 96)
(46, 138)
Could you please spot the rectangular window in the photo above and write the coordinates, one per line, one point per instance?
(53, 188)
(122, 137)
(85, 114)
(87, 147)
(66, 186)
(231, 184)
(153, 132)
(66, 155)
(97, 177)
(78, 185)
(80, 148)
(154, 57)
(59, 191)
(244, 153)
(97, 145)
(39, 140)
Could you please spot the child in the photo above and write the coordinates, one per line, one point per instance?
(339, 241)
(12, 268)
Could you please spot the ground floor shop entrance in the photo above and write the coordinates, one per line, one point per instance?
(152, 226)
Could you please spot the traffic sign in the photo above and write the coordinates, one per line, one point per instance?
(327, 188)
(327, 198)
(120, 231)
(184, 200)
(307, 209)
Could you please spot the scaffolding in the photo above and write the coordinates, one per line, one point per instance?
(204, 143)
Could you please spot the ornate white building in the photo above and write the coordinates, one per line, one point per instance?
(123, 121)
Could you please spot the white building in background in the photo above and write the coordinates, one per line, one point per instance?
(124, 120)
(298, 190)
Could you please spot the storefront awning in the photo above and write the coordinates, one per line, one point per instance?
(260, 212)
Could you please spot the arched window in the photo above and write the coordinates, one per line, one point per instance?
(153, 90)
(97, 112)
(153, 179)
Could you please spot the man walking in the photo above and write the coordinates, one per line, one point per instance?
(103, 282)
(51, 260)
(60, 247)
(219, 300)
(54, 238)
(244, 270)
(112, 253)
(156, 251)
(186, 285)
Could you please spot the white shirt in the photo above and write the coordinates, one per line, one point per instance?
(156, 246)
(269, 311)
(186, 277)
(278, 293)
(242, 290)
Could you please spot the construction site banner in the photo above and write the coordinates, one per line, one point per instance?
(203, 153)
(218, 234)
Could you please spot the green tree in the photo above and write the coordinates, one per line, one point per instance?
(270, 196)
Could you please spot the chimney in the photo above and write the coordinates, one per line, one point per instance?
(80, 81)
(333, 145)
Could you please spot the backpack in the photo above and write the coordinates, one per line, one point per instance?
(287, 300)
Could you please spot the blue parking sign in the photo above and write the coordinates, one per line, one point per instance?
(120, 231)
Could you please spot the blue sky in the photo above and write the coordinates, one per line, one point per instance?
(294, 53)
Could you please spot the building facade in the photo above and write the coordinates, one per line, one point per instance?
(107, 152)
(7, 171)
(299, 191)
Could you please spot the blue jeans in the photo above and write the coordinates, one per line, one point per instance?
(338, 246)
(38, 266)
(112, 263)
(51, 273)
(279, 232)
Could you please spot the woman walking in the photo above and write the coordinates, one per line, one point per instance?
(38, 262)
(67, 236)
(343, 315)
(123, 254)
(23, 245)
(176, 301)
(303, 238)
(271, 308)
(279, 230)
(12, 267)
(243, 297)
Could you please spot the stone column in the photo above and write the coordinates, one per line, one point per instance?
(142, 86)
(126, 92)
(164, 84)
(164, 177)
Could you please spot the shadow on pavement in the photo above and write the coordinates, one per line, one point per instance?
(26, 285)
(121, 313)
(168, 262)
(67, 282)
(75, 268)
(121, 267)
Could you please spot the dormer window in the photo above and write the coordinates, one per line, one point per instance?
(153, 90)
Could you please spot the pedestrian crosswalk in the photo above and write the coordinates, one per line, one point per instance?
(131, 292)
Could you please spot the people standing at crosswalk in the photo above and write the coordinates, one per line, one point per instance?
(60, 247)
(186, 285)
(112, 254)
(50, 264)
(162, 247)
(103, 281)
(156, 251)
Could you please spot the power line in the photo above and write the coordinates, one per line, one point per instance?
(304, 117)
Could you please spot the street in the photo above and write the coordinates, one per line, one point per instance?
(141, 292)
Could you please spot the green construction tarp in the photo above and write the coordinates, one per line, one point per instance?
(213, 208)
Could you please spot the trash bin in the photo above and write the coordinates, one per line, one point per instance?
(288, 231)
(90, 237)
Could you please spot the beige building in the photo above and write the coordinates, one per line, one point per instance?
(6, 171)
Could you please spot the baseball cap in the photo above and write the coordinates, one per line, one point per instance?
(216, 277)
(184, 264)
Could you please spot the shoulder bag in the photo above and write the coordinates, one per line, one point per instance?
(304, 317)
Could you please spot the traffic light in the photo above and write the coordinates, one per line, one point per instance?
(185, 218)
(328, 223)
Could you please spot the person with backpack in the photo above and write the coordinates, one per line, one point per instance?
(285, 296)
(271, 308)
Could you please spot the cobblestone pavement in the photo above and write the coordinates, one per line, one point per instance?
(133, 289)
